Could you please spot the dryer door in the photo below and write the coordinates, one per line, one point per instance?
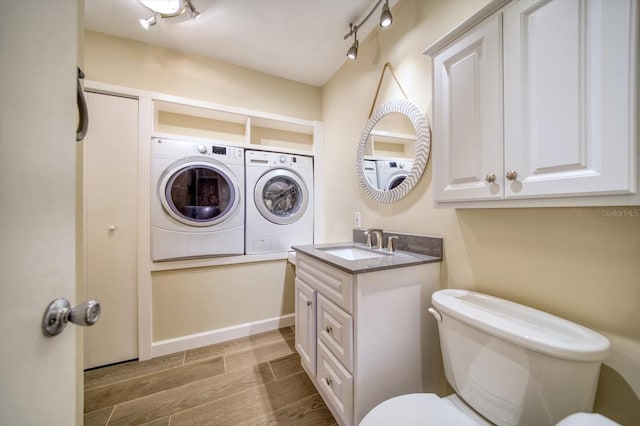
(199, 193)
(395, 180)
(281, 196)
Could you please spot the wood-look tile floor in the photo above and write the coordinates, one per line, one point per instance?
(257, 380)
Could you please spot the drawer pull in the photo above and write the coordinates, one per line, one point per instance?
(328, 381)
(308, 302)
(329, 330)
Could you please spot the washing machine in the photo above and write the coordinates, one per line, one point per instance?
(197, 199)
(279, 201)
(391, 172)
(370, 172)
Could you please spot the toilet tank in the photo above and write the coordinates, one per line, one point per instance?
(513, 364)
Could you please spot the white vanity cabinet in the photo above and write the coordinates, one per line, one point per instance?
(537, 100)
(372, 339)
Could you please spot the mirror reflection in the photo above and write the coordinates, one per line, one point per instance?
(389, 151)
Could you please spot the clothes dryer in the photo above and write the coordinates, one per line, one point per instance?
(197, 199)
(391, 172)
(280, 201)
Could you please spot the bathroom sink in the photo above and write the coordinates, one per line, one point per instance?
(353, 253)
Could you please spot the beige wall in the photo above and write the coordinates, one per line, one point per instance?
(577, 263)
(198, 300)
(138, 65)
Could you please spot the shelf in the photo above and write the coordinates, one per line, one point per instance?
(386, 144)
(282, 134)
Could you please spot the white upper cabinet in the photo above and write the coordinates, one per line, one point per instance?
(468, 123)
(536, 104)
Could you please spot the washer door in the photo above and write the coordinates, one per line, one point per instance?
(281, 196)
(199, 192)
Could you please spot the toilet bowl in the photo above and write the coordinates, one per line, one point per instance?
(508, 364)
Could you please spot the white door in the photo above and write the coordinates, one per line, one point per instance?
(568, 76)
(468, 116)
(111, 198)
(39, 376)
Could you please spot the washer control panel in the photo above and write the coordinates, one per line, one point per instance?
(173, 148)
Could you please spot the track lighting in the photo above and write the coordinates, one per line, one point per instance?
(385, 17)
(385, 21)
(167, 9)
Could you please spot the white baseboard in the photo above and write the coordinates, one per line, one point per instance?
(192, 341)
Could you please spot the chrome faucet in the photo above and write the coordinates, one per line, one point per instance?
(391, 246)
(378, 233)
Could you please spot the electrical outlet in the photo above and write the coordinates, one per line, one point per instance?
(357, 220)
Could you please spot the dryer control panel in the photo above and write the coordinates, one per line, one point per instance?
(273, 159)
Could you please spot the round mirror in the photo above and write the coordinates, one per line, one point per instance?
(393, 150)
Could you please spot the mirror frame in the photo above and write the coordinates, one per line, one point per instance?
(423, 149)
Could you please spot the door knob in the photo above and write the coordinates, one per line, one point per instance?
(59, 313)
(491, 178)
(512, 175)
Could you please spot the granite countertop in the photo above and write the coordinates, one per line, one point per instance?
(396, 260)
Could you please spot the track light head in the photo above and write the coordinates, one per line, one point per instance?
(385, 17)
(149, 22)
(352, 53)
(167, 9)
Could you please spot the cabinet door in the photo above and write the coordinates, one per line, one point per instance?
(569, 84)
(306, 325)
(468, 125)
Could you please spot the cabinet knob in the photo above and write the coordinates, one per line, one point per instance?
(308, 302)
(512, 175)
(328, 381)
(490, 178)
(329, 330)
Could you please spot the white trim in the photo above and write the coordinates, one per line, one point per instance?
(145, 307)
(477, 17)
(217, 261)
(183, 343)
(318, 183)
(560, 201)
(156, 96)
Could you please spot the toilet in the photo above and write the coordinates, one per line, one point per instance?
(508, 364)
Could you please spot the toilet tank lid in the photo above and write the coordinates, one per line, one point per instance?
(522, 325)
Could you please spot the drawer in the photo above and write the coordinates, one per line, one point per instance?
(334, 284)
(335, 330)
(335, 384)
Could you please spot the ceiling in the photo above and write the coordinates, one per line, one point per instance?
(300, 40)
